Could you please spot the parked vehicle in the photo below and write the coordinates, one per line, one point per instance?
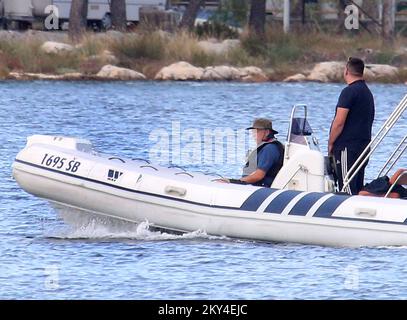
(21, 14)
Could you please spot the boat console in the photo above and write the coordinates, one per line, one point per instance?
(305, 167)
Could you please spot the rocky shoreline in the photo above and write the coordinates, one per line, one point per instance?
(324, 72)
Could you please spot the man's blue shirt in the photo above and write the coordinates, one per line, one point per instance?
(268, 157)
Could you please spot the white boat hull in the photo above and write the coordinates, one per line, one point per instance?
(232, 210)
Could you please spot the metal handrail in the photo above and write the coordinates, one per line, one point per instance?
(395, 183)
(290, 125)
(372, 146)
(400, 152)
(300, 167)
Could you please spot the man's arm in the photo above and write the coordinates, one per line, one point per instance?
(337, 127)
(254, 177)
(403, 179)
(267, 157)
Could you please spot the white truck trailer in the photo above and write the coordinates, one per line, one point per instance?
(21, 14)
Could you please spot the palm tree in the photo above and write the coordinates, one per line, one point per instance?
(118, 14)
(257, 18)
(78, 17)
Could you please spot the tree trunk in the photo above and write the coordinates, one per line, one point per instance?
(118, 14)
(188, 19)
(341, 16)
(296, 10)
(388, 19)
(78, 19)
(257, 18)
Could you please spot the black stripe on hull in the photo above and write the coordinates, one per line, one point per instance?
(302, 207)
(329, 206)
(253, 202)
(278, 204)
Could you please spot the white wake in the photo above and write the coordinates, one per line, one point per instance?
(80, 224)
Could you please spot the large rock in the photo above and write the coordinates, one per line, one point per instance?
(115, 73)
(327, 72)
(299, 77)
(215, 47)
(333, 72)
(221, 73)
(381, 71)
(252, 74)
(185, 71)
(56, 47)
(180, 71)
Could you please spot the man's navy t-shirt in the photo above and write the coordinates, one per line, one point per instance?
(357, 131)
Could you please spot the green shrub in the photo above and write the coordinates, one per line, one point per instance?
(254, 46)
(145, 46)
(26, 55)
(285, 51)
(384, 57)
(215, 29)
(200, 58)
(241, 58)
(91, 46)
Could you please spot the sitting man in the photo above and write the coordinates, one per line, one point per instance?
(263, 163)
(380, 186)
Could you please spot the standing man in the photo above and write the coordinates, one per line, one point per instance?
(351, 129)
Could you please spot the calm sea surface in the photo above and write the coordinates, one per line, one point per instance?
(48, 253)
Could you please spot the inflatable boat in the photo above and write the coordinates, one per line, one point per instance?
(300, 207)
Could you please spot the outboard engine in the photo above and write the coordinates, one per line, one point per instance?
(304, 167)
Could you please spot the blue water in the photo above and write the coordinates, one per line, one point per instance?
(48, 253)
